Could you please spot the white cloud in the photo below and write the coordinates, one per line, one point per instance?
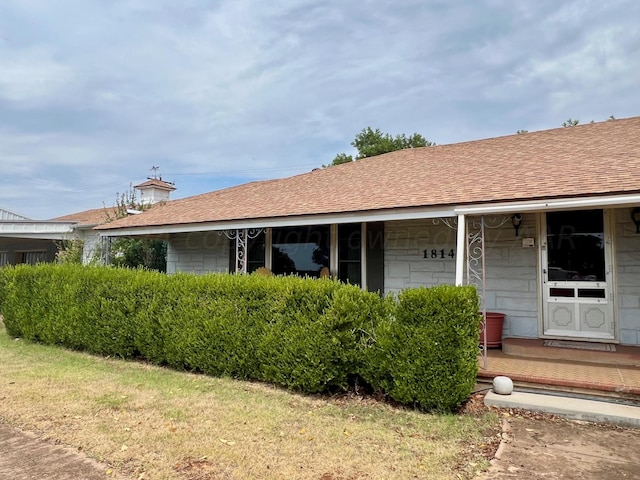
(32, 77)
(243, 89)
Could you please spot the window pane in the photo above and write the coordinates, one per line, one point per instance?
(591, 293)
(350, 253)
(300, 250)
(349, 242)
(34, 257)
(575, 242)
(255, 253)
(562, 292)
(350, 272)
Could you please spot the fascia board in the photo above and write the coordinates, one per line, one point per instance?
(549, 205)
(375, 216)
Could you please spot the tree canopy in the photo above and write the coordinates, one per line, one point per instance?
(571, 122)
(370, 143)
(135, 252)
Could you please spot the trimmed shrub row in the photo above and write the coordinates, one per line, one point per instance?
(304, 334)
(427, 355)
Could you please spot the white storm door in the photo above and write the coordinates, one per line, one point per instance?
(577, 275)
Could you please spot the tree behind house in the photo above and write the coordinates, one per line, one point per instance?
(70, 251)
(134, 252)
(370, 143)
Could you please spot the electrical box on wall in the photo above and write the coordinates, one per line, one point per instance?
(528, 242)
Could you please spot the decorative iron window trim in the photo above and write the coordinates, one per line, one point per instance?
(490, 221)
(242, 237)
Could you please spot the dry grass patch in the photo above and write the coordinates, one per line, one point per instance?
(153, 423)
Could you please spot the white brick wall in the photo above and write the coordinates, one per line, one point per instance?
(627, 252)
(511, 270)
(512, 277)
(92, 245)
(404, 262)
(198, 253)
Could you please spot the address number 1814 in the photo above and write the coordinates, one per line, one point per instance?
(435, 253)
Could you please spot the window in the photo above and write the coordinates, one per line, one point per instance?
(4, 260)
(576, 246)
(255, 253)
(300, 250)
(31, 258)
(350, 253)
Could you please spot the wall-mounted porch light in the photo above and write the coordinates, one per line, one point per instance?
(635, 216)
(516, 220)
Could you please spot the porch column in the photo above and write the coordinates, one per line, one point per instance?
(460, 244)
(241, 251)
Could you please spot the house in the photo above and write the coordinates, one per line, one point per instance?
(83, 224)
(23, 240)
(544, 223)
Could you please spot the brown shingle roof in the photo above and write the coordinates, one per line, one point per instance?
(95, 216)
(154, 182)
(594, 159)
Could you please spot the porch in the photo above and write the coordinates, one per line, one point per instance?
(533, 366)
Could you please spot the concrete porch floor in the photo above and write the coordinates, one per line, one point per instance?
(585, 372)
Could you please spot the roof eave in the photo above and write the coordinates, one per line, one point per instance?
(394, 214)
(286, 221)
(35, 229)
(545, 205)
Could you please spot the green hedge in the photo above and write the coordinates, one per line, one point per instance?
(428, 354)
(304, 334)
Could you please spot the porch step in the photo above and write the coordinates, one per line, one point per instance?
(563, 373)
(542, 386)
(534, 348)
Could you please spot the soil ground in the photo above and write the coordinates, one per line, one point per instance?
(534, 446)
(543, 446)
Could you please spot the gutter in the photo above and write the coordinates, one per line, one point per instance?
(549, 205)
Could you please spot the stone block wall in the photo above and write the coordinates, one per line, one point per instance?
(92, 246)
(201, 252)
(627, 269)
(511, 270)
(512, 277)
(405, 265)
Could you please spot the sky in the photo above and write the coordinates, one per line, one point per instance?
(94, 93)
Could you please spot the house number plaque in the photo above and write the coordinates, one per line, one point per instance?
(436, 253)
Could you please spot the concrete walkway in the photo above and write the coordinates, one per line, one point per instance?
(23, 456)
(569, 407)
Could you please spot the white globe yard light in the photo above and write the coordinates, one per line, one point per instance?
(502, 385)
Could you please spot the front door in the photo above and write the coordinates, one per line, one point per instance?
(577, 275)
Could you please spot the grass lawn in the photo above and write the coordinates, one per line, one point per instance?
(148, 422)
